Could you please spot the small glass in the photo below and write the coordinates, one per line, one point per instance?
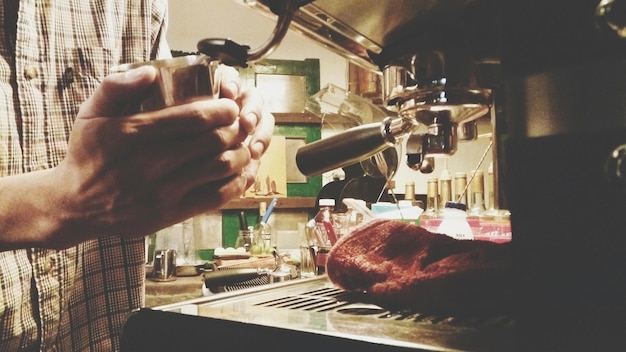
(262, 240)
(245, 239)
(341, 223)
(307, 254)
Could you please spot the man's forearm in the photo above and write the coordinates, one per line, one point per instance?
(28, 211)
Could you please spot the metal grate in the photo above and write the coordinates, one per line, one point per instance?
(257, 281)
(354, 303)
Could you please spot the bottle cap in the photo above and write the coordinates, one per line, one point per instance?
(456, 205)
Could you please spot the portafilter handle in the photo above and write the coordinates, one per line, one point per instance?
(352, 145)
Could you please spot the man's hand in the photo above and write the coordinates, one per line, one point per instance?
(132, 175)
(253, 118)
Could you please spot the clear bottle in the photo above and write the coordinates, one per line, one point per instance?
(341, 222)
(445, 192)
(356, 216)
(150, 242)
(262, 241)
(324, 229)
(460, 183)
(307, 253)
(454, 222)
(477, 191)
(445, 185)
(409, 191)
(430, 217)
(492, 209)
(477, 211)
(245, 239)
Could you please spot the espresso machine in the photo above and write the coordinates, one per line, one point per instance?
(551, 77)
(552, 74)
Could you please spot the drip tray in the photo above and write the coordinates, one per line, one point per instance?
(306, 313)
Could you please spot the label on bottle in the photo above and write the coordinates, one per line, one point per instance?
(498, 231)
(455, 225)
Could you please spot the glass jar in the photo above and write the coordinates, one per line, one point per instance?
(245, 239)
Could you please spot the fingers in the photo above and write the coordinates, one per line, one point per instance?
(213, 195)
(141, 171)
(214, 184)
(256, 121)
(119, 91)
(260, 140)
(230, 84)
(206, 169)
(183, 120)
(251, 102)
(250, 171)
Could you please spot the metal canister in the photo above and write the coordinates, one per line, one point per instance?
(164, 268)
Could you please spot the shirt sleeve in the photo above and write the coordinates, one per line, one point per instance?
(160, 47)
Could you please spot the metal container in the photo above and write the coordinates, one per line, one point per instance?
(164, 267)
(284, 272)
(189, 270)
(179, 80)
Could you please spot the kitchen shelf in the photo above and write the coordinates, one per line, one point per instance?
(282, 203)
(300, 118)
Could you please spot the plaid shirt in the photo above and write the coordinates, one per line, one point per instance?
(75, 299)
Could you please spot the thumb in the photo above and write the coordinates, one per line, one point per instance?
(120, 93)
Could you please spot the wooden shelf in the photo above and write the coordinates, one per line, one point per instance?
(300, 118)
(282, 203)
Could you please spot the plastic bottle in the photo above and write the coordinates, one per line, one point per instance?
(477, 191)
(409, 191)
(490, 192)
(307, 253)
(445, 192)
(429, 219)
(324, 226)
(477, 210)
(341, 222)
(356, 216)
(454, 221)
(460, 185)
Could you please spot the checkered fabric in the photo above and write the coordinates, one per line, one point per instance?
(53, 54)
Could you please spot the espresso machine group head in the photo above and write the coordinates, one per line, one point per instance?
(446, 103)
(422, 93)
